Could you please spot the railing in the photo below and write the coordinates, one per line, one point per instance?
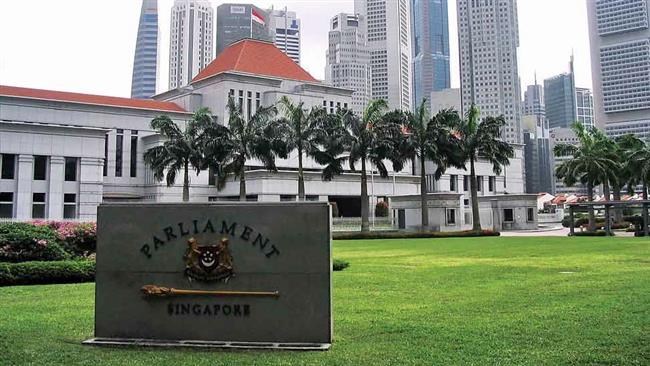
(354, 224)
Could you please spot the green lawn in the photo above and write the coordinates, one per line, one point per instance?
(474, 301)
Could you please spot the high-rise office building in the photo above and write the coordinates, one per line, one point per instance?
(190, 43)
(488, 34)
(284, 29)
(534, 101)
(145, 61)
(585, 107)
(430, 47)
(538, 156)
(348, 59)
(387, 26)
(619, 33)
(238, 21)
(560, 100)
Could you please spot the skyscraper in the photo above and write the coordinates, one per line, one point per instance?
(284, 28)
(430, 47)
(348, 59)
(619, 33)
(585, 107)
(387, 26)
(534, 101)
(560, 100)
(537, 151)
(145, 61)
(238, 21)
(488, 34)
(190, 41)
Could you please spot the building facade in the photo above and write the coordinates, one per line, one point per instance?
(430, 47)
(560, 100)
(190, 40)
(619, 33)
(538, 155)
(387, 26)
(239, 21)
(348, 60)
(534, 101)
(145, 61)
(585, 107)
(285, 31)
(488, 33)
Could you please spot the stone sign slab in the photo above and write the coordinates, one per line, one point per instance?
(217, 273)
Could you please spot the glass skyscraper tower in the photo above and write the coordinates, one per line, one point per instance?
(145, 61)
(430, 47)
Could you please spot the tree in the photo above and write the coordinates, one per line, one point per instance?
(181, 149)
(302, 130)
(481, 141)
(372, 139)
(241, 140)
(638, 162)
(590, 162)
(430, 139)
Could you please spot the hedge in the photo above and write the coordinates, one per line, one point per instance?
(339, 265)
(411, 235)
(22, 242)
(591, 233)
(32, 273)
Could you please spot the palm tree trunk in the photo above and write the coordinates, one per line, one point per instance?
(590, 198)
(242, 185)
(423, 195)
(606, 191)
(301, 178)
(645, 190)
(618, 213)
(186, 182)
(476, 215)
(365, 223)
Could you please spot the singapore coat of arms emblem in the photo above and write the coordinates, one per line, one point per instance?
(208, 262)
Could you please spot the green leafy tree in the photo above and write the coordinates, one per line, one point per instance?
(430, 139)
(373, 138)
(481, 141)
(590, 162)
(181, 150)
(302, 130)
(231, 146)
(637, 153)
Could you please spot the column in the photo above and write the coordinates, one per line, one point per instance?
(608, 224)
(55, 192)
(91, 187)
(645, 220)
(24, 186)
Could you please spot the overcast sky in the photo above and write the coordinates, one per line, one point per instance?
(87, 45)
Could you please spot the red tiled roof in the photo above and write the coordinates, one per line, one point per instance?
(14, 91)
(255, 57)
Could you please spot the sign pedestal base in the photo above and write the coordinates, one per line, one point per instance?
(207, 344)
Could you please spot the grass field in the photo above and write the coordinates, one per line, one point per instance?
(486, 301)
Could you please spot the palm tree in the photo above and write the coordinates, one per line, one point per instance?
(638, 161)
(372, 139)
(482, 140)
(242, 140)
(302, 130)
(430, 139)
(590, 162)
(181, 150)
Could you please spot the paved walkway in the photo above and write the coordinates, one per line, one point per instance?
(554, 231)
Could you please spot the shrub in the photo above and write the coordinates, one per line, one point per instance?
(591, 233)
(339, 265)
(21, 242)
(410, 235)
(31, 273)
(78, 238)
(381, 209)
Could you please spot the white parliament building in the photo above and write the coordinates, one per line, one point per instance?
(62, 154)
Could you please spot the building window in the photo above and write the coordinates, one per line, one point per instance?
(6, 205)
(249, 104)
(451, 216)
(212, 176)
(466, 183)
(479, 184)
(491, 183)
(241, 101)
(530, 214)
(119, 147)
(508, 215)
(70, 169)
(38, 205)
(105, 155)
(258, 101)
(134, 154)
(311, 198)
(69, 206)
(8, 166)
(453, 183)
(287, 197)
(40, 167)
